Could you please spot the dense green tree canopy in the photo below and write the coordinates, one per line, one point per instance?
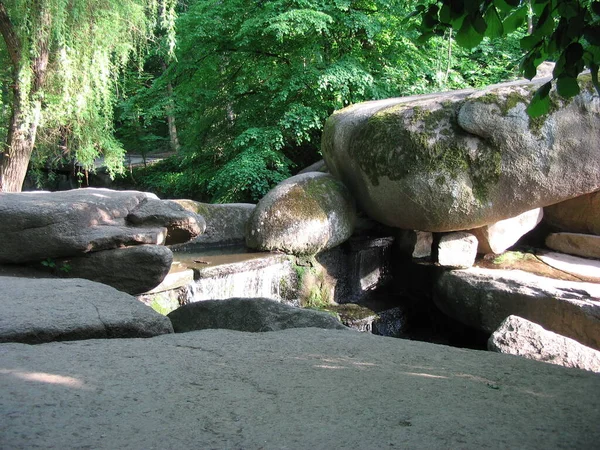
(254, 82)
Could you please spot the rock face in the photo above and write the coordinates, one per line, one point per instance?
(483, 298)
(182, 225)
(586, 245)
(465, 159)
(415, 244)
(244, 314)
(577, 215)
(304, 214)
(225, 389)
(517, 336)
(133, 270)
(49, 309)
(583, 269)
(499, 236)
(40, 225)
(457, 250)
(225, 223)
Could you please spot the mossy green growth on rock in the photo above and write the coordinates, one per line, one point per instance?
(303, 215)
(400, 141)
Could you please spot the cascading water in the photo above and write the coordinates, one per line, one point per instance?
(265, 277)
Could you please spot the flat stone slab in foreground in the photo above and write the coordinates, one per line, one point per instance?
(292, 389)
(36, 310)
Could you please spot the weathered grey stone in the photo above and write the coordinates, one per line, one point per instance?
(225, 223)
(304, 214)
(457, 250)
(483, 298)
(319, 166)
(133, 270)
(464, 159)
(253, 315)
(40, 225)
(586, 245)
(582, 268)
(52, 309)
(293, 389)
(416, 244)
(499, 236)
(577, 215)
(182, 225)
(35, 226)
(521, 337)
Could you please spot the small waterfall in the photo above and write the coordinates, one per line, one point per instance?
(266, 277)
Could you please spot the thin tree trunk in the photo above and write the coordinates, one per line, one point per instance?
(173, 138)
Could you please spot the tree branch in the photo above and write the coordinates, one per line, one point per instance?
(13, 44)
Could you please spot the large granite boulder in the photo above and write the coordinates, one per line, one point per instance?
(521, 337)
(39, 225)
(134, 270)
(292, 389)
(483, 298)
(225, 223)
(464, 159)
(304, 214)
(577, 215)
(248, 314)
(35, 310)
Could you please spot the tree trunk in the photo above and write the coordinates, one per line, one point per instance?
(173, 138)
(19, 145)
(26, 109)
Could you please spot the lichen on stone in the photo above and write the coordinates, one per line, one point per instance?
(401, 141)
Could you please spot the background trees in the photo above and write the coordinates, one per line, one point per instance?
(252, 85)
(59, 62)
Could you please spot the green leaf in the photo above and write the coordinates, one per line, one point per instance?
(567, 86)
(515, 20)
(529, 42)
(479, 24)
(495, 29)
(567, 10)
(540, 103)
(592, 34)
(467, 36)
(573, 53)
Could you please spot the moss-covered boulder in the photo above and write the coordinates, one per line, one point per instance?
(302, 215)
(464, 159)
